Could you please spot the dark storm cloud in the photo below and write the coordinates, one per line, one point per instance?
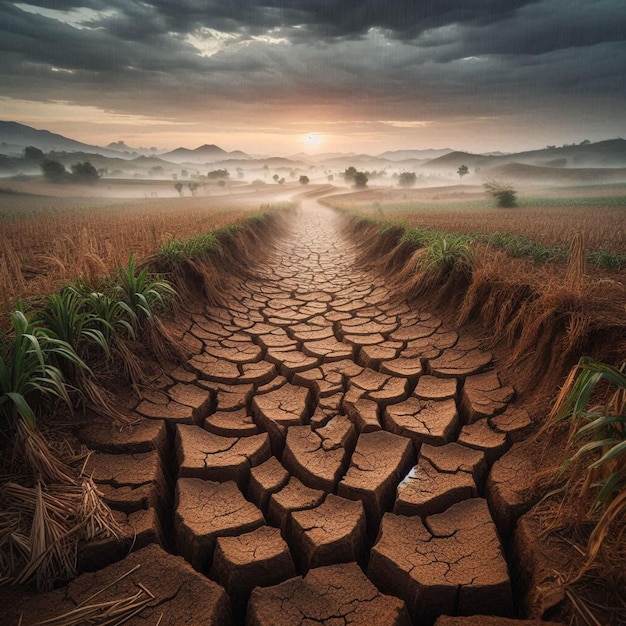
(332, 19)
(395, 60)
(319, 18)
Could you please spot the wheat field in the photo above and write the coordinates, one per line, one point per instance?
(553, 218)
(46, 242)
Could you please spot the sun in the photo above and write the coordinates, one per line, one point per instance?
(311, 140)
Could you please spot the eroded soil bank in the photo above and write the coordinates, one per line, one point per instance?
(326, 443)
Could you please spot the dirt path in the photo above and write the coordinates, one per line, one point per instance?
(319, 424)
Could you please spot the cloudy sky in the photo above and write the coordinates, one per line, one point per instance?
(282, 76)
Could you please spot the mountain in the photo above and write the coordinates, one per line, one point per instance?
(609, 153)
(523, 172)
(15, 137)
(203, 154)
(454, 159)
(238, 155)
(419, 155)
(129, 152)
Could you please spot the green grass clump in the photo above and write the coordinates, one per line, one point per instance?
(143, 293)
(418, 237)
(519, 246)
(175, 250)
(30, 369)
(607, 260)
(597, 443)
(69, 316)
(45, 353)
(444, 252)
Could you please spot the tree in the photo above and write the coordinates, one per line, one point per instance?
(349, 174)
(304, 180)
(462, 171)
(85, 173)
(505, 195)
(179, 188)
(360, 180)
(407, 179)
(53, 171)
(276, 177)
(33, 154)
(193, 187)
(218, 174)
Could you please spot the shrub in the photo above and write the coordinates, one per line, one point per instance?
(53, 171)
(407, 179)
(85, 173)
(360, 180)
(505, 195)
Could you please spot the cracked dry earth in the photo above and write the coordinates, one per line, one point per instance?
(321, 459)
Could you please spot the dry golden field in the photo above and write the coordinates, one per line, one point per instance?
(48, 241)
(551, 217)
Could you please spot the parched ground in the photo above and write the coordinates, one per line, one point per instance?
(322, 458)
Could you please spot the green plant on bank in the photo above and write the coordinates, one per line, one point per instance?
(29, 369)
(443, 253)
(69, 316)
(113, 317)
(142, 292)
(598, 441)
(607, 259)
(518, 246)
(175, 250)
(418, 237)
(389, 226)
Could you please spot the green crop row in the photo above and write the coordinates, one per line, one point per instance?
(446, 244)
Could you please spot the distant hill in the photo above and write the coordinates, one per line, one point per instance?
(609, 153)
(238, 154)
(15, 137)
(523, 172)
(203, 154)
(453, 160)
(419, 155)
(357, 160)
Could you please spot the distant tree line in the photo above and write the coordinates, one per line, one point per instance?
(55, 172)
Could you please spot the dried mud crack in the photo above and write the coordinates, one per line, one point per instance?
(322, 458)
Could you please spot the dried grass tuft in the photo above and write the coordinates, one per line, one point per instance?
(46, 515)
(577, 264)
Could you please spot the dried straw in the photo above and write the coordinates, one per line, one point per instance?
(41, 525)
(109, 613)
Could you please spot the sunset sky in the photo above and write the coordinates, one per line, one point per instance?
(280, 76)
